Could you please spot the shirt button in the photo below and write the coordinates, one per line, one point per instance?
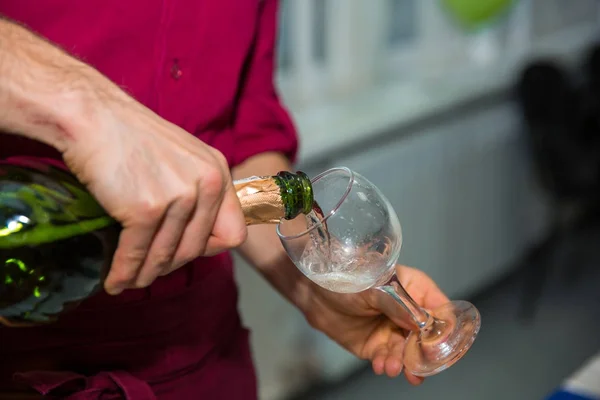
(176, 71)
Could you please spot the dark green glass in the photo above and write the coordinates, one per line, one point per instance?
(296, 193)
(57, 242)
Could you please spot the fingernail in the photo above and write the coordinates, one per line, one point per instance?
(114, 291)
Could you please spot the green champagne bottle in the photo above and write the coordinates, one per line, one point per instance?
(57, 242)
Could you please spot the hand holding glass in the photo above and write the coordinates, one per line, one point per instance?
(354, 246)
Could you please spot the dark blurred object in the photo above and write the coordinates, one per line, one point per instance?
(562, 119)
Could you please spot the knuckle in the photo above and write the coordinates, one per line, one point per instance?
(221, 159)
(152, 270)
(127, 262)
(188, 254)
(122, 275)
(213, 183)
(161, 260)
(186, 201)
(237, 238)
(148, 211)
(130, 258)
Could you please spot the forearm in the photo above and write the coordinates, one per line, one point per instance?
(44, 92)
(263, 249)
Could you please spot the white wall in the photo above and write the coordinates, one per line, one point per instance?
(468, 205)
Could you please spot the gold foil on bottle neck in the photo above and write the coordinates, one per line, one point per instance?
(260, 198)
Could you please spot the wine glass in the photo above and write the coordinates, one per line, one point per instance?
(351, 242)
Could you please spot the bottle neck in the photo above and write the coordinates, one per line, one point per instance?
(296, 193)
(269, 199)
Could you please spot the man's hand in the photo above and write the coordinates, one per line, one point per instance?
(370, 324)
(171, 192)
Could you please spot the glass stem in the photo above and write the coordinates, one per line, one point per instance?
(394, 288)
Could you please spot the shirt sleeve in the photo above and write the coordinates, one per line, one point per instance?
(262, 124)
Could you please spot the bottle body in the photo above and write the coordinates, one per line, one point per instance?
(57, 242)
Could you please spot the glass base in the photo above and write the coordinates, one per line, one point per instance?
(444, 341)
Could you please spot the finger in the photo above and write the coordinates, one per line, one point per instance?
(166, 241)
(193, 241)
(388, 306)
(378, 359)
(413, 380)
(134, 242)
(198, 234)
(434, 297)
(394, 360)
(230, 229)
(421, 287)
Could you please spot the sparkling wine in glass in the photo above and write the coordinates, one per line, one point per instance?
(351, 242)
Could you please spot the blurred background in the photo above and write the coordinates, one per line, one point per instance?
(479, 119)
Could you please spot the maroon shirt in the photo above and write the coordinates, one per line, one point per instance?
(207, 66)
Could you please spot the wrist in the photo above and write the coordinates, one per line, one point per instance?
(45, 94)
(76, 109)
(58, 118)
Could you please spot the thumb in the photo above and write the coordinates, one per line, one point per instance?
(412, 291)
(421, 287)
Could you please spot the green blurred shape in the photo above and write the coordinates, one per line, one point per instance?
(475, 14)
